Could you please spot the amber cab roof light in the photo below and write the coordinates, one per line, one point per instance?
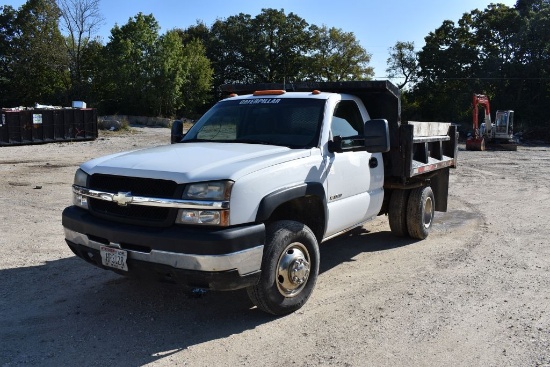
(269, 92)
(315, 92)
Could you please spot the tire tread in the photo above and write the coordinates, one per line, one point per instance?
(397, 212)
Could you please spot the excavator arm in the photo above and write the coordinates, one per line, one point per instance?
(483, 101)
(477, 142)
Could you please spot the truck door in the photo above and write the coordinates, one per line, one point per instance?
(352, 180)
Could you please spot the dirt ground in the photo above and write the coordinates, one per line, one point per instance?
(475, 293)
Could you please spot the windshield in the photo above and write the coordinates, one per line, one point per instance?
(291, 122)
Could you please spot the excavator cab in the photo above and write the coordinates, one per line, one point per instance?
(504, 125)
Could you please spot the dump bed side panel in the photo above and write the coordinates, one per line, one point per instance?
(427, 147)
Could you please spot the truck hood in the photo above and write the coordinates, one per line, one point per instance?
(192, 162)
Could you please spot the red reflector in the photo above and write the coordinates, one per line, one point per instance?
(269, 92)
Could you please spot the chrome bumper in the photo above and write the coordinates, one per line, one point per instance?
(245, 262)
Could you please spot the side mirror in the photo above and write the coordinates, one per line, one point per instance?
(177, 131)
(377, 136)
(340, 144)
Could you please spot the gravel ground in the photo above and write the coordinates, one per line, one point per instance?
(475, 293)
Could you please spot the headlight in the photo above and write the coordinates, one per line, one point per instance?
(80, 179)
(203, 217)
(208, 192)
(215, 190)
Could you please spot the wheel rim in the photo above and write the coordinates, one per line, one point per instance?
(428, 212)
(293, 269)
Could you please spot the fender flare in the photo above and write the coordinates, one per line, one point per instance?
(271, 201)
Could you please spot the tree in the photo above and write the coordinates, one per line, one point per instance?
(169, 74)
(280, 43)
(230, 49)
(199, 31)
(130, 54)
(499, 51)
(151, 74)
(81, 20)
(39, 63)
(7, 36)
(403, 63)
(276, 47)
(93, 66)
(196, 89)
(337, 56)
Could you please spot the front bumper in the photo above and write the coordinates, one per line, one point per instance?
(218, 259)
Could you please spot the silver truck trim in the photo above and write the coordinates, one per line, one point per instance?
(125, 198)
(245, 262)
(360, 224)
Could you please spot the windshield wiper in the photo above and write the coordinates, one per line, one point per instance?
(254, 141)
(195, 140)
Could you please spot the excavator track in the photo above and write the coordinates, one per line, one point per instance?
(502, 146)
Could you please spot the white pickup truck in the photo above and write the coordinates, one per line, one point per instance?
(244, 198)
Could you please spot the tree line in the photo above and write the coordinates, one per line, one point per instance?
(502, 52)
(50, 53)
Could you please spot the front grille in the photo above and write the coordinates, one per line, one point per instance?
(138, 212)
(136, 185)
(134, 214)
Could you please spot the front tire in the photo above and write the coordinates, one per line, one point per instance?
(420, 212)
(290, 266)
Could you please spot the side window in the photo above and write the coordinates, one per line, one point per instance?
(347, 121)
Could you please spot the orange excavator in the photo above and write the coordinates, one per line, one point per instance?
(488, 135)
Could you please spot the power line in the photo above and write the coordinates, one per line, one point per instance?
(489, 78)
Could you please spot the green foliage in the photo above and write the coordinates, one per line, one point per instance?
(500, 51)
(34, 64)
(337, 56)
(80, 20)
(141, 72)
(196, 89)
(169, 74)
(7, 53)
(151, 74)
(93, 85)
(278, 47)
(403, 63)
(230, 49)
(130, 66)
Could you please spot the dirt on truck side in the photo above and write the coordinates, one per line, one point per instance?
(474, 293)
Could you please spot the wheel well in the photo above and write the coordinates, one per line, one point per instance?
(308, 210)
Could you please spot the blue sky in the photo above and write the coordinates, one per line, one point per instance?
(376, 24)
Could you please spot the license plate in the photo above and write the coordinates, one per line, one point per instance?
(113, 258)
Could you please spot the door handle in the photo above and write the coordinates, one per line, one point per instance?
(373, 162)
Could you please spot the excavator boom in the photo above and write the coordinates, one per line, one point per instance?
(477, 141)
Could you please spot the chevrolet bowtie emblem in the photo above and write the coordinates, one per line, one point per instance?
(123, 198)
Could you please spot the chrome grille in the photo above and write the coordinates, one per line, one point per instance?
(134, 214)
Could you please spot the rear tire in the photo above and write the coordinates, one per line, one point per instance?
(290, 266)
(420, 212)
(397, 212)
